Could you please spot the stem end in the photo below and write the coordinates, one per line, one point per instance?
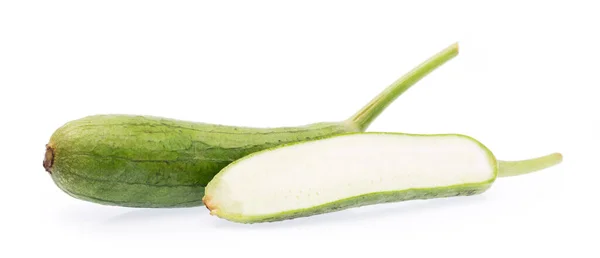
(520, 167)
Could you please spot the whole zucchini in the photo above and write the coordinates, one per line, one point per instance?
(153, 162)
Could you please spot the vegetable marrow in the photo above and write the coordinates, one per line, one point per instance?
(154, 162)
(356, 169)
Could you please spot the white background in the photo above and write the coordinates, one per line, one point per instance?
(525, 84)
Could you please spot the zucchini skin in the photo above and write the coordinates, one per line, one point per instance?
(154, 162)
(359, 201)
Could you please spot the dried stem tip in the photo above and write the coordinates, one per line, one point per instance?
(48, 159)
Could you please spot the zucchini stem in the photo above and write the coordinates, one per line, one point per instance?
(363, 118)
(520, 167)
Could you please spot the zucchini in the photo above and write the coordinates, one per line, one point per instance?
(356, 169)
(155, 162)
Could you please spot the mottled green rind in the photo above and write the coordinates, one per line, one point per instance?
(361, 200)
(143, 161)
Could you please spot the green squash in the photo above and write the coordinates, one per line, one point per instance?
(154, 162)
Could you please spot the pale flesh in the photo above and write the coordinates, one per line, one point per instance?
(321, 172)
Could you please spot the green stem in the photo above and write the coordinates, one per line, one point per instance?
(520, 167)
(363, 118)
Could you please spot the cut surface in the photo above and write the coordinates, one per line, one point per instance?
(314, 173)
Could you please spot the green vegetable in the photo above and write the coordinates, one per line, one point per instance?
(142, 161)
(356, 169)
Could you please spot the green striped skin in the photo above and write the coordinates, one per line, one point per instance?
(141, 161)
(362, 200)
